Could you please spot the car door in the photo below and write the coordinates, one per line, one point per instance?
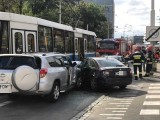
(93, 66)
(71, 70)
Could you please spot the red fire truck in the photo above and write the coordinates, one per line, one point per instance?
(117, 46)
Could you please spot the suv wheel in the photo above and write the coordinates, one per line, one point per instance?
(54, 94)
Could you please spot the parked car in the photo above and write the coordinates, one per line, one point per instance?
(101, 72)
(118, 57)
(42, 74)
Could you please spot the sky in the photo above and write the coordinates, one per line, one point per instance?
(132, 17)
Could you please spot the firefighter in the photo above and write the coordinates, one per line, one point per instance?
(137, 58)
(149, 58)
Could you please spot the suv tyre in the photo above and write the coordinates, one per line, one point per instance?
(53, 96)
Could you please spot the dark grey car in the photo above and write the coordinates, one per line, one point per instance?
(98, 72)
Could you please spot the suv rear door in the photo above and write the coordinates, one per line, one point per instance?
(15, 70)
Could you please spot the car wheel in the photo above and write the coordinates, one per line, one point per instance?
(123, 86)
(54, 94)
(93, 84)
(79, 82)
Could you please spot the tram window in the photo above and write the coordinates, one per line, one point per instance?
(18, 42)
(69, 37)
(91, 44)
(59, 40)
(31, 44)
(45, 39)
(4, 39)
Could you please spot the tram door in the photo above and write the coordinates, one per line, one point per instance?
(79, 48)
(23, 41)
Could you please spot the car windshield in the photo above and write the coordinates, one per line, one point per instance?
(106, 45)
(12, 62)
(109, 63)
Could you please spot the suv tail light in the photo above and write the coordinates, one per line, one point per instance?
(43, 72)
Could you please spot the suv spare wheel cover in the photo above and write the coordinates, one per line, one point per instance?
(24, 78)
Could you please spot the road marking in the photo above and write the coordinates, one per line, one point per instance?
(154, 88)
(130, 96)
(152, 96)
(151, 103)
(111, 114)
(5, 103)
(118, 111)
(114, 118)
(154, 91)
(116, 108)
(149, 112)
(156, 84)
(120, 103)
(124, 99)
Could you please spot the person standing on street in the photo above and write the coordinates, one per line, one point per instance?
(144, 53)
(149, 58)
(137, 59)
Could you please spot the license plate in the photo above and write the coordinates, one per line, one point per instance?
(121, 73)
(5, 88)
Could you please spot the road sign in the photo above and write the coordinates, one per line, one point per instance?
(150, 30)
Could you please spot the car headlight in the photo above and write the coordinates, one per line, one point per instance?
(106, 73)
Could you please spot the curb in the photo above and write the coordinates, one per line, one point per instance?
(84, 113)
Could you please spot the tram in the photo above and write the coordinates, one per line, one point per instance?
(26, 34)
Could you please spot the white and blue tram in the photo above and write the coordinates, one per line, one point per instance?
(26, 34)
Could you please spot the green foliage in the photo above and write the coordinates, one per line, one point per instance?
(74, 12)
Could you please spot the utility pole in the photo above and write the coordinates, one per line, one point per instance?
(60, 11)
(152, 20)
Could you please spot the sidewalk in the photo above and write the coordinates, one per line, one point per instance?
(156, 75)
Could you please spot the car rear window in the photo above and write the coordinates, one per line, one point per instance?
(12, 62)
(109, 63)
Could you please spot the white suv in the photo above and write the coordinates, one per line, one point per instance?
(43, 74)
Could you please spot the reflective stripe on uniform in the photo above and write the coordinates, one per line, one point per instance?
(137, 57)
(149, 63)
(136, 63)
(135, 75)
(140, 72)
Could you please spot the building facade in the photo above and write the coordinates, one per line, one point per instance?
(109, 13)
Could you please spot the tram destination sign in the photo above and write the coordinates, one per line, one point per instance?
(150, 30)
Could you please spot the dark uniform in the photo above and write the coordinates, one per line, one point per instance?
(149, 58)
(137, 59)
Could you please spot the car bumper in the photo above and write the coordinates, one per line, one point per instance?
(110, 82)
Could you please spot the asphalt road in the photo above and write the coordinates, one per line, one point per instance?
(36, 108)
